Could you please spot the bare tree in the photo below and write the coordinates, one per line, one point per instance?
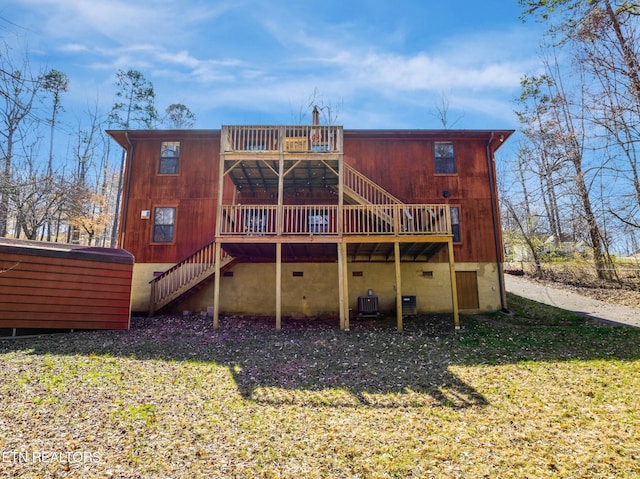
(36, 197)
(179, 116)
(572, 139)
(328, 111)
(554, 124)
(542, 152)
(606, 52)
(87, 204)
(600, 119)
(526, 231)
(442, 113)
(18, 90)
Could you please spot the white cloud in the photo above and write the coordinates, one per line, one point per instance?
(266, 56)
(74, 48)
(123, 21)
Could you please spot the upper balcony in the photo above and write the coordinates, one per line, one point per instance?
(299, 140)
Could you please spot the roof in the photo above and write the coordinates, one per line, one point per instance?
(496, 137)
(64, 250)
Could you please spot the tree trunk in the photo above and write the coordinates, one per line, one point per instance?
(594, 231)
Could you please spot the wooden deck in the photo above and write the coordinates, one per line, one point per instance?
(297, 139)
(359, 216)
(334, 220)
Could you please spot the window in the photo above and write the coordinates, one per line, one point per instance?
(455, 224)
(169, 158)
(164, 220)
(444, 158)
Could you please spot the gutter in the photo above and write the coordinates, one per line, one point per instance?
(127, 190)
(496, 226)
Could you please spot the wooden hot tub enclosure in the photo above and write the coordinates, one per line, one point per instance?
(64, 286)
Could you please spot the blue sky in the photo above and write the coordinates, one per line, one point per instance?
(377, 64)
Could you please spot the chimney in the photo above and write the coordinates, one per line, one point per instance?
(316, 116)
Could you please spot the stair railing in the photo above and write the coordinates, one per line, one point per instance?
(370, 192)
(183, 275)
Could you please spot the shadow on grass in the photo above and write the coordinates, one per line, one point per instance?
(372, 365)
(310, 362)
(314, 363)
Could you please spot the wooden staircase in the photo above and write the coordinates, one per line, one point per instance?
(185, 276)
(360, 190)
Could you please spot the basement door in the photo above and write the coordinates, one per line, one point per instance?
(467, 285)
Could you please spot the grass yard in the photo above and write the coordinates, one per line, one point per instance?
(544, 393)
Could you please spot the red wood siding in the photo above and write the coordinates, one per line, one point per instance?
(402, 162)
(405, 168)
(193, 192)
(45, 285)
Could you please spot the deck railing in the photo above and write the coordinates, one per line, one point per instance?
(287, 139)
(183, 275)
(400, 219)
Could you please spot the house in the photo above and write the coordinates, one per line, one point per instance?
(313, 219)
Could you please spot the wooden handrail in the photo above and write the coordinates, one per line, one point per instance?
(184, 275)
(370, 192)
(254, 220)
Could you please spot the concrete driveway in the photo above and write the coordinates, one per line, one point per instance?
(570, 301)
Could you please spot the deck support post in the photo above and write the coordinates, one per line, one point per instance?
(340, 214)
(278, 286)
(341, 279)
(279, 208)
(343, 286)
(396, 254)
(216, 286)
(454, 287)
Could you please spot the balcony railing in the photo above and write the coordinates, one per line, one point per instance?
(403, 219)
(281, 139)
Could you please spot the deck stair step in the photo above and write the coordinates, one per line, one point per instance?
(184, 277)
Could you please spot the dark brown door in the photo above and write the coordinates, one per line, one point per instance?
(467, 284)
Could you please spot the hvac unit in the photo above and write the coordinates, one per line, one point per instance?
(409, 306)
(368, 306)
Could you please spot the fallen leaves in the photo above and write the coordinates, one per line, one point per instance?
(516, 397)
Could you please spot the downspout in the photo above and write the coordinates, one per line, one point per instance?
(496, 226)
(125, 203)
